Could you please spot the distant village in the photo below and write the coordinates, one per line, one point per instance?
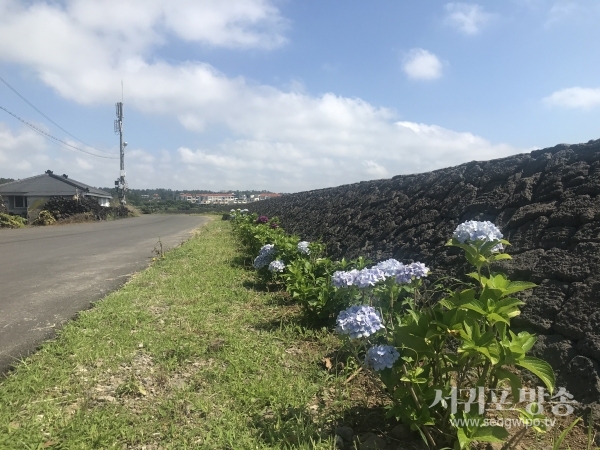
(215, 198)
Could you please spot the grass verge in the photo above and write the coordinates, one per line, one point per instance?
(185, 355)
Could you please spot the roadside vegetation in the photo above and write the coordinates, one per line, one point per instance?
(444, 350)
(10, 221)
(217, 347)
(180, 206)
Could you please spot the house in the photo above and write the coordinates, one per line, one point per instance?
(187, 197)
(26, 197)
(216, 198)
(268, 195)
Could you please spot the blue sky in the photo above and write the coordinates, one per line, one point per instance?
(292, 95)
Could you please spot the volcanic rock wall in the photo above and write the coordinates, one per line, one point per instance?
(546, 203)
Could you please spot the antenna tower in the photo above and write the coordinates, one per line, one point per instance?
(121, 183)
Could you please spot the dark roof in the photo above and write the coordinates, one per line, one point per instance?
(50, 185)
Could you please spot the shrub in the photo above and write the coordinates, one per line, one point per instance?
(429, 355)
(44, 218)
(10, 221)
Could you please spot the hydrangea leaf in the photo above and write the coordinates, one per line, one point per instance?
(539, 368)
(490, 434)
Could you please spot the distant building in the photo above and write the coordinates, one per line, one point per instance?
(184, 197)
(221, 198)
(268, 195)
(27, 197)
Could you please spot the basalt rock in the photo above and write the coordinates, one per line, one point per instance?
(546, 203)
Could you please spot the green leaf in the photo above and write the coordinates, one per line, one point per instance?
(526, 340)
(506, 303)
(491, 292)
(463, 440)
(513, 379)
(493, 317)
(447, 303)
(476, 276)
(500, 257)
(563, 435)
(487, 246)
(490, 434)
(486, 352)
(409, 341)
(475, 305)
(518, 286)
(539, 368)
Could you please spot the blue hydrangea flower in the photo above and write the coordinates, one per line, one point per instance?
(265, 256)
(389, 267)
(368, 277)
(277, 266)
(418, 270)
(414, 270)
(473, 230)
(380, 357)
(358, 321)
(343, 279)
(403, 275)
(303, 247)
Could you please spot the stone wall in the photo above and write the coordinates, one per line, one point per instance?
(546, 203)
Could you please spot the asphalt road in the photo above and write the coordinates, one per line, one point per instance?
(48, 274)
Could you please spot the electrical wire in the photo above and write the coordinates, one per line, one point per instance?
(59, 141)
(33, 106)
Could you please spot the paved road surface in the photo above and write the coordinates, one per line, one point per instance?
(48, 274)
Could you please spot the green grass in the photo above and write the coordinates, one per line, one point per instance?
(185, 355)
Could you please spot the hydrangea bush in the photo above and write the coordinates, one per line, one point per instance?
(422, 353)
(423, 350)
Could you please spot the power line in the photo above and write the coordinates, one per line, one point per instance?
(33, 106)
(43, 133)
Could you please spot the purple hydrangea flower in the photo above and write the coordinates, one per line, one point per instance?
(277, 266)
(274, 225)
(380, 357)
(262, 219)
(358, 321)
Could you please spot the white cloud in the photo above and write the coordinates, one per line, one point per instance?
(24, 153)
(467, 18)
(562, 10)
(376, 170)
(575, 98)
(420, 64)
(276, 139)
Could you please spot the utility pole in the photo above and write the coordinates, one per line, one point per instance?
(121, 183)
